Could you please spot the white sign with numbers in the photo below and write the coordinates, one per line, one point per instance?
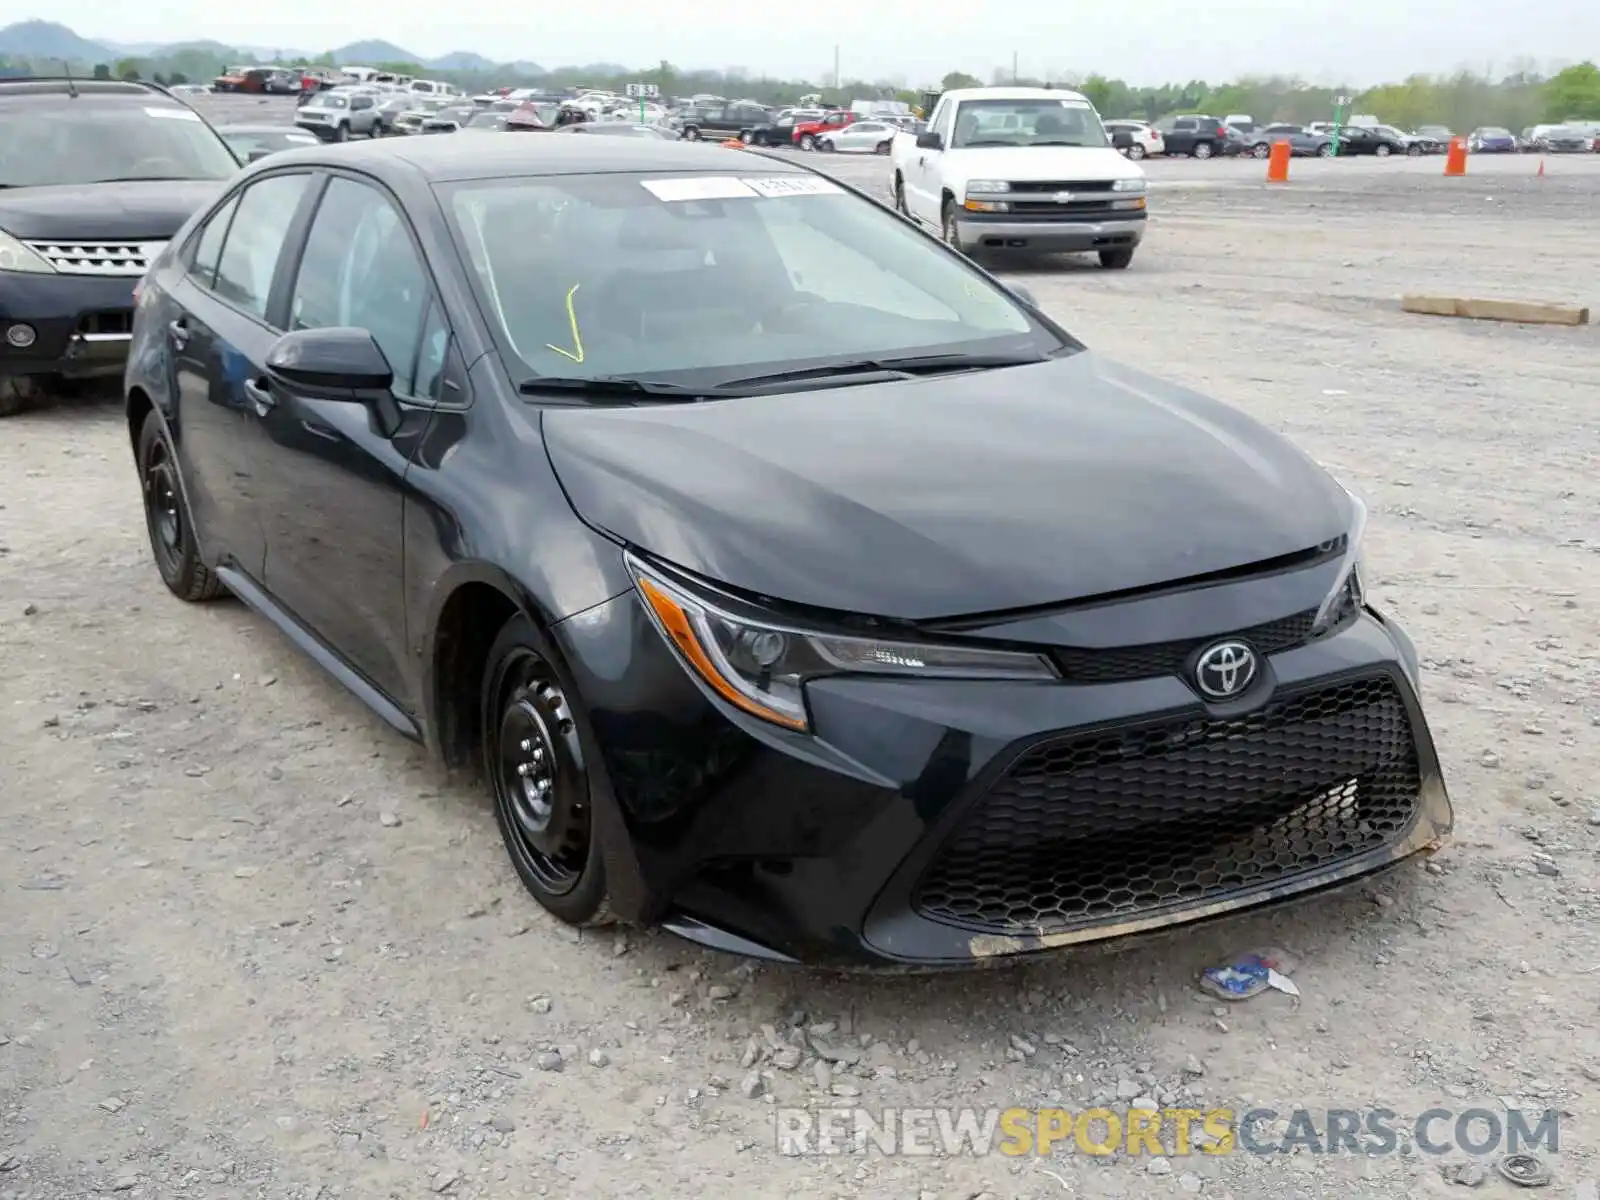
(643, 91)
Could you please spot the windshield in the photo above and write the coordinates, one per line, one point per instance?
(1027, 123)
(85, 143)
(1496, 131)
(657, 276)
(332, 102)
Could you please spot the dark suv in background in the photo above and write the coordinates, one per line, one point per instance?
(1195, 136)
(95, 178)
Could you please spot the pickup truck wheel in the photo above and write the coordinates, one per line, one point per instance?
(746, 136)
(691, 133)
(1116, 259)
(900, 196)
(17, 393)
(1201, 150)
(807, 142)
(949, 228)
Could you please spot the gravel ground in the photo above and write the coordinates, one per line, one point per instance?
(251, 946)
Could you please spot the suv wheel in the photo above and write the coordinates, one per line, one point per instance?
(691, 133)
(536, 753)
(1201, 150)
(166, 518)
(342, 134)
(18, 393)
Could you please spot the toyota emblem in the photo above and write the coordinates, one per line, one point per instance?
(1225, 670)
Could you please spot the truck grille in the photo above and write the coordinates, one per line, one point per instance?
(1154, 659)
(1104, 826)
(129, 259)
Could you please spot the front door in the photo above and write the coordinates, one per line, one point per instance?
(332, 471)
(922, 173)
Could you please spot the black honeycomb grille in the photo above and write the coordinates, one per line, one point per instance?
(1120, 822)
(1168, 658)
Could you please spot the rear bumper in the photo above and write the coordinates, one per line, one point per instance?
(1047, 235)
(81, 325)
(915, 827)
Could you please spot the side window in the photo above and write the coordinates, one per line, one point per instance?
(361, 269)
(255, 241)
(1185, 123)
(208, 247)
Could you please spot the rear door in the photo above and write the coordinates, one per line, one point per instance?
(331, 472)
(220, 341)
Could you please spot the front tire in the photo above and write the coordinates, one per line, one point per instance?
(1413, 151)
(342, 134)
(808, 142)
(825, 145)
(1117, 258)
(900, 197)
(1261, 150)
(536, 753)
(166, 518)
(882, 148)
(1382, 151)
(948, 227)
(747, 137)
(691, 133)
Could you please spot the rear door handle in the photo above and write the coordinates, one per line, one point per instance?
(261, 396)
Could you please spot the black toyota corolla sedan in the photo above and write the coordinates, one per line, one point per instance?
(793, 583)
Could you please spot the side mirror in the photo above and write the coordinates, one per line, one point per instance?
(1122, 140)
(1023, 294)
(258, 154)
(337, 360)
(929, 141)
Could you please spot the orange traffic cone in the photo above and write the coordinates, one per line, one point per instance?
(1541, 166)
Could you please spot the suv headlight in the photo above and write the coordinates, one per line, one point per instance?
(762, 666)
(15, 256)
(986, 187)
(1348, 594)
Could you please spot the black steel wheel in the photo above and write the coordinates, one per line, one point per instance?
(537, 765)
(166, 518)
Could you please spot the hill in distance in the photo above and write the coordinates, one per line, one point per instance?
(47, 39)
(372, 51)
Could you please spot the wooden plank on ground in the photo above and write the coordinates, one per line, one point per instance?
(1522, 312)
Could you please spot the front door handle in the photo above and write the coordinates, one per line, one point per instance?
(179, 331)
(261, 397)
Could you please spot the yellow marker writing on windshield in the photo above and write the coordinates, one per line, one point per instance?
(576, 353)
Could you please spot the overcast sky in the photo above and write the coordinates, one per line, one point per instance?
(1150, 41)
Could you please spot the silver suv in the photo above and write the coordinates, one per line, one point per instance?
(336, 115)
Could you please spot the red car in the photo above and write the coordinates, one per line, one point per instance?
(806, 132)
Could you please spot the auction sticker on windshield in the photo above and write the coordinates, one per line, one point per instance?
(699, 187)
(795, 185)
(173, 114)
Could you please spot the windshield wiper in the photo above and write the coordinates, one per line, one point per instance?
(615, 385)
(891, 368)
(984, 142)
(144, 179)
(1080, 144)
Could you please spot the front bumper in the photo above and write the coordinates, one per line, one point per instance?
(82, 325)
(1048, 235)
(944, 824)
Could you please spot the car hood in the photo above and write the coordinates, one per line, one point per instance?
(150, 210)
(1024, 164)
(948, 496)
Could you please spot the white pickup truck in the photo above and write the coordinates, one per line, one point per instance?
(1020, 169)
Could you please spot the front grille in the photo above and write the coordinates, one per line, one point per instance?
(1069, 185)
(1153, 659)
(1107, 825)
(129, 259)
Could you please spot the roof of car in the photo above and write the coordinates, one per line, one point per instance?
(87, 89)
(1012, 93)
(259, 127)
(445, 159)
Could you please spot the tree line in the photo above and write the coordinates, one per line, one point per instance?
(1462, 101)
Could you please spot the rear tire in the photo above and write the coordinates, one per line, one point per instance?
(342, 134)
(691, 133)
(747, 137)
(537, 747)
(1325, 150)
(1117, 258)
(1201, 150)
(882, 148)
(1413, 151)
(1261, 150)
(166, 518)
(900, 196)
(1136, 152)
(18, 393)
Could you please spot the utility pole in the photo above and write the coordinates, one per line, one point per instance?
(836, 67)
(1014, 75)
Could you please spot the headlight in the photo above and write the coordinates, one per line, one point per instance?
(1348, 594)
(986, 186)
(762, 666)
(14, 256)
(1127, 185)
